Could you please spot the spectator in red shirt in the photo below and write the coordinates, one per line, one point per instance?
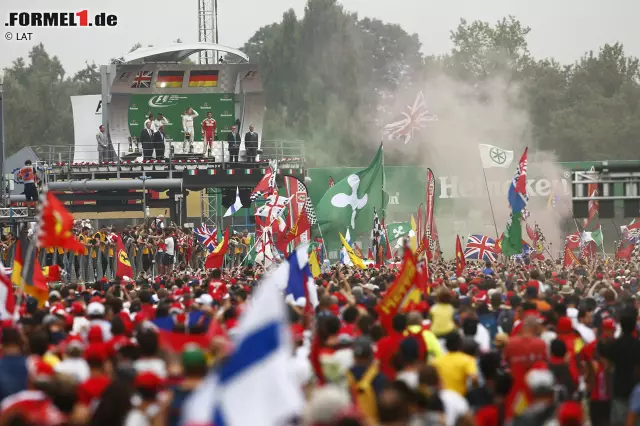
(389, 345)
(90, 392)
(521, 353)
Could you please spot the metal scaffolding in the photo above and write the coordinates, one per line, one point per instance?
(207, 29)
(211, 207)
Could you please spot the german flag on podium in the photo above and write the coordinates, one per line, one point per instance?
(169, 79)
(203, 78)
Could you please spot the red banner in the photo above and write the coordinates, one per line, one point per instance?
(398, 291)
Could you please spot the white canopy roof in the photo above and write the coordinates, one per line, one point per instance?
(177, 52)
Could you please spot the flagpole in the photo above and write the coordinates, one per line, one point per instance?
(324, 245)
(255, 242)
(493, 216)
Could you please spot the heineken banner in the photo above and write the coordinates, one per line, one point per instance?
(172, 107)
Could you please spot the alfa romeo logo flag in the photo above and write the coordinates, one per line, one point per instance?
(493, 156)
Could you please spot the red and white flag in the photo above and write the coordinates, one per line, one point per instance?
(7, 296)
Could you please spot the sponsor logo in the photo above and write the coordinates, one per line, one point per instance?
(133, 123)
(164, 101)
(225, 114)
(452, 187)
(301, 197)
(394, 199)
(99, 108)
(133, 107)
(81, 18)
(226, 98)
(205, 106)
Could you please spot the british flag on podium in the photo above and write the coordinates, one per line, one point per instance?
(480, 247)
(208, 237)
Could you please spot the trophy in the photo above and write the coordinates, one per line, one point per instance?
(135, 140)
(130, 145)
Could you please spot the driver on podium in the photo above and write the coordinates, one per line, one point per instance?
(187, 127)
(209, 132)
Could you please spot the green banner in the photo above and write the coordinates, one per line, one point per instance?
(221, 106)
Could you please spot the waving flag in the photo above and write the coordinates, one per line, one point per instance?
(460, 262)
(409, 123)
(237, 205)
(301, 226)
(480, 247)
(216, 258)
(518, 197)
(260, 365)
(142, 80)
(56, 226)
(208, 237)
(357, 261)
(28, 276)
(344, 256)
(273, 208)
(7, 296)
(123, 265)
(267, 184)
(300, 287)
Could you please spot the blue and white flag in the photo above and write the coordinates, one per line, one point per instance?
(255, 385)
(296, 281)
(237, 205)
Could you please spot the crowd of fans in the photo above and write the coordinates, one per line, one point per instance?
(528, 343)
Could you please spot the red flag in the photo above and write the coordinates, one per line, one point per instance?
(420, 223)
(56, 225)
(331, 182)
(460, 262)
(569, 257)
(51, 273)
(301, 226)
(396, 294)
(572, 241)
(422, 279)
(123, 265)
(216, 258)
(265, 187)
(623, 252)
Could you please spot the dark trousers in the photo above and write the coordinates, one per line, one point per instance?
(147, 150)
(233, 154)
(600, 412)
(159, 146)
(31, 192)
(251, 155)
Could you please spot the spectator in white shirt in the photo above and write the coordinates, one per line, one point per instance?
(583, 326)
(169, 251)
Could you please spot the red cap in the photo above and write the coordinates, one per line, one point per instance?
(570, 413)
(464, 288)
(148, 380)
(564, 325)
(608, 324)
(77, 308)
(95, 352)
(95, 334)
(335, 309)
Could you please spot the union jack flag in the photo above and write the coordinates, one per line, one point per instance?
(208, 237)
(405, 126)
(142, 79)
(480, 247)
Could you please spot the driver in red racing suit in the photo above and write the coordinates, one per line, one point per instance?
(209, 131)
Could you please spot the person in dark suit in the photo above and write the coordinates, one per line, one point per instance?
(251, 144)
(158, 143)
(233, 138)
(146, 137)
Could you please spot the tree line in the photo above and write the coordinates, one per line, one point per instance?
(327, 73)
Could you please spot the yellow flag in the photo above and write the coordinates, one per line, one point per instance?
(354, 258)
(313, 263)
(413, 240)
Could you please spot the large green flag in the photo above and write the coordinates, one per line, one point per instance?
(512, 241)
(350, 202)
(398, 230)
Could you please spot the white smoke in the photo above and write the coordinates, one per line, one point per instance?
(492, 113)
